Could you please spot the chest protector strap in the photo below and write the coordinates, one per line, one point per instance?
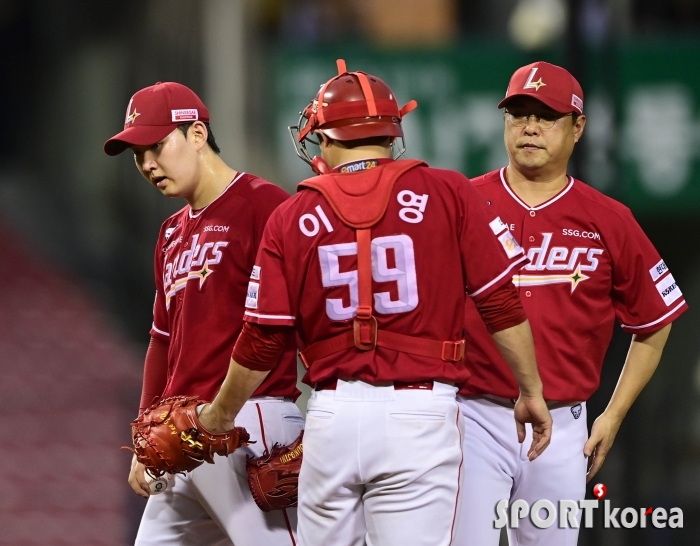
(360, 201)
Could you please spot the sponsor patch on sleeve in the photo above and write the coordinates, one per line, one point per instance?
(251, 300)
(255, 275)
(658, 271)
(668, 289)
(510, 245)
(497, 225)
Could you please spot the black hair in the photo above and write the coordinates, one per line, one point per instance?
(210, 136)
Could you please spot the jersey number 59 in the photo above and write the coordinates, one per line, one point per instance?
(403, 273)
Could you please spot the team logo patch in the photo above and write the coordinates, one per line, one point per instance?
(531, 83)
(130, 116)
(169, 232)
(668, 289)
(188, 114)
(255, 275)
(576, 411)
(497, 225)
(251, 300)
(510, 245)
(658, 270)
(577, 102)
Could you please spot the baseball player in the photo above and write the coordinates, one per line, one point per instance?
(203, 258)
(590, 263)
(369, 263)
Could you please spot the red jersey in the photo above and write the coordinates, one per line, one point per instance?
(590, 263)
(433, 240)
(202, 263)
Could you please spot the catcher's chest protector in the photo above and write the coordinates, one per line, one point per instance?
(360, 201)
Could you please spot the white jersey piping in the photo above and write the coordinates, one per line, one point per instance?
(272, 317)
(522, 259)
(538, 207)
(200, 211)
(676, 308)
(161, 332)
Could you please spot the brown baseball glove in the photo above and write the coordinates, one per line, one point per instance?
(168, 437)
(274, 477)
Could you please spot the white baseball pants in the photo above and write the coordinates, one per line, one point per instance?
(212, 505)
(381, 466)
(496, 467)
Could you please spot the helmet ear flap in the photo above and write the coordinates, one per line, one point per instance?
(319, 166)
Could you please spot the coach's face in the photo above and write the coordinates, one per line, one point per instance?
(540, 140)
(172, 165)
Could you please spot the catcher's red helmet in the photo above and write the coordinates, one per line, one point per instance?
(350, 106)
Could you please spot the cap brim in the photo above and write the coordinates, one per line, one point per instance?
(553, 104)
(138, 135)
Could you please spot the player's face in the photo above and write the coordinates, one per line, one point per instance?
(534, 149)
(170, 165)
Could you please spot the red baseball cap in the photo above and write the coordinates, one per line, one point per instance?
(154, 112)
(548, 83)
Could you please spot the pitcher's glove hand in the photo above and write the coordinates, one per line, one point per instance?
(168, 437)
(274, 477)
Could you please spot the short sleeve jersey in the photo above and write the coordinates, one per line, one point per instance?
(434, 240)
(202, 263)
(590, 263)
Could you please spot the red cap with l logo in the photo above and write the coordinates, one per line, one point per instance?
(548, 83)
(154, 112)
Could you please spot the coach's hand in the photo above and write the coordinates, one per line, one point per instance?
(601, 440)
(533, 409)
(137, 479)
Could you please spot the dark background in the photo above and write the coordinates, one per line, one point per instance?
(77, 228)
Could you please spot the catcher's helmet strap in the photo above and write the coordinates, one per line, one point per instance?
(367, 92)
(410, 106)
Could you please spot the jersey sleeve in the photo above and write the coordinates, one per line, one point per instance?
(267, 299)
(646, 297)
(489, 252)
(159, 328)
(267, 198)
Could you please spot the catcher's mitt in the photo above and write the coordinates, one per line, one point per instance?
(274, 477)
(168, 437)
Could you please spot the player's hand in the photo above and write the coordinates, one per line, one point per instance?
(213, 420)
(137, 479)
(533, 409)
(599, 443)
